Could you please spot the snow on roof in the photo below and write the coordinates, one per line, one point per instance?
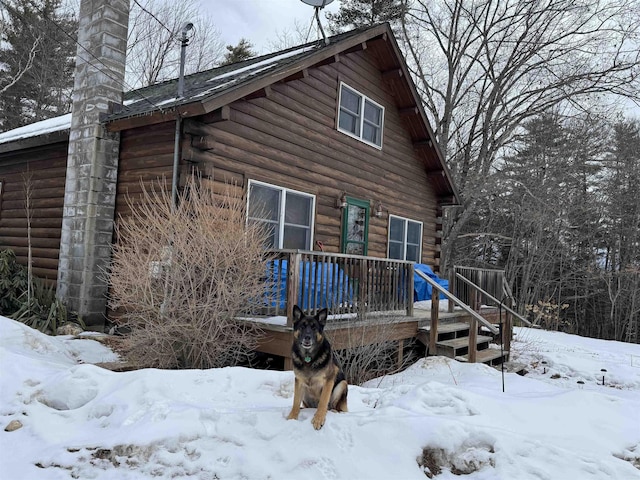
(42, 127)
(264, 64)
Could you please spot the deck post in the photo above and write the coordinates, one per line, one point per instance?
(288, 364)
(435, 313)
(364, 288)
(473, 339)
(293, 279)
(400, 353)
(507, 328)
(409, 292)
(452, 288)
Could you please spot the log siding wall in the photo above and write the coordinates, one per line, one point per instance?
(46, 167)
(288, 137)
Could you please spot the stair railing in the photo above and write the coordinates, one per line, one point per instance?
(495, 300)
(473, 323)
(507, 323)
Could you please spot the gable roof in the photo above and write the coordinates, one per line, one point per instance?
(202, 88)
(210, 90)
(213, 89)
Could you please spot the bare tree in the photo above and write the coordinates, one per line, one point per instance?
(291, 37)
(153, 51)
(483, 68)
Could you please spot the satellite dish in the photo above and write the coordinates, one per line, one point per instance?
(319, 5)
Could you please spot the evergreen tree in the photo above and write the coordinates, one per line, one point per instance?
(621, 248)
(37, 51)
(238, 53)
(364, 13)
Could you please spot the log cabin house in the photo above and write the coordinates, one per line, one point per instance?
(331, 136)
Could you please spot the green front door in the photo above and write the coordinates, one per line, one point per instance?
(355, 227)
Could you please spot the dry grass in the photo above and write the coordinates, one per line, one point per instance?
(181, 275)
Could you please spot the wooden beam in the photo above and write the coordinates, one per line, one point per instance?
(435, 174)
(329, 60)
(408, 111)
(392, 74)
(423, 143)
(261, 93)
(357, 48)
(203, 142)
(218, 115)
(304, 73)
(447, 200)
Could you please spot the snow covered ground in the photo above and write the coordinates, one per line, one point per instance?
(80, 421)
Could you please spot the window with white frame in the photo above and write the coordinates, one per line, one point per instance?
(287, 214)
(405, 239)
(360, 117)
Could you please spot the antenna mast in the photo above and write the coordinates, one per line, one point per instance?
(319, 5)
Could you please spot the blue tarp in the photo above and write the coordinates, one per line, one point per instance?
(422, 289)
(330, 289)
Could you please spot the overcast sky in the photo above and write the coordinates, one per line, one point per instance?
(259, 21)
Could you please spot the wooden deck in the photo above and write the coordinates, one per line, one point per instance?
(380, 291)
(343, 334)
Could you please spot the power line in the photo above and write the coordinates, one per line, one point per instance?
(106, 71)
(155, 18)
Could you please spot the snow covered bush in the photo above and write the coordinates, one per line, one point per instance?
(181, 275)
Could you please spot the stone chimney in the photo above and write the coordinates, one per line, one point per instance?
(92, 164)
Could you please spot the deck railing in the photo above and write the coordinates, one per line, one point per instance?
(348, 285)
(491, 282)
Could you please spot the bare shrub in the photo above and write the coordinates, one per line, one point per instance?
(370, 353)
(182, 274)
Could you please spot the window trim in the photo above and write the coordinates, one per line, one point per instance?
(361, 122)
(281, 213)
(406, 233)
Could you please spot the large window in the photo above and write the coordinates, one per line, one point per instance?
(405, 239)
(360, 117)
(288, 215)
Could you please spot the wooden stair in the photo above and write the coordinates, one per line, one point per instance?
(453, 342)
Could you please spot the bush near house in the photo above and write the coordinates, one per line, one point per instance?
(182, 275)
(39, 308)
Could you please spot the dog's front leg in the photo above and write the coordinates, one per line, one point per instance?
(297, 398)
(323, 405)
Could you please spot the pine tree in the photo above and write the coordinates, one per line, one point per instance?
(37, 51)
(238, 53)
(364, 13)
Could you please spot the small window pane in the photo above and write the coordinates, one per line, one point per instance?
(264, 202)
(413, 233)
(371, 133)
(395, 250)
(372, 113)
(348, 122)
(296, 237)
(297, 209)
(350, 101)
(272, 239)
(396, 229)
(412, 253)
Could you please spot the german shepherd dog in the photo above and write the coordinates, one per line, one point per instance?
(320, 382)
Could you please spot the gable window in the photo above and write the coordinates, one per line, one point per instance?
(405, 239)
(287, 214)
(360, 117)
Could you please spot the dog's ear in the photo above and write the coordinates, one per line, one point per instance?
(322, 316)
(297, 314)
